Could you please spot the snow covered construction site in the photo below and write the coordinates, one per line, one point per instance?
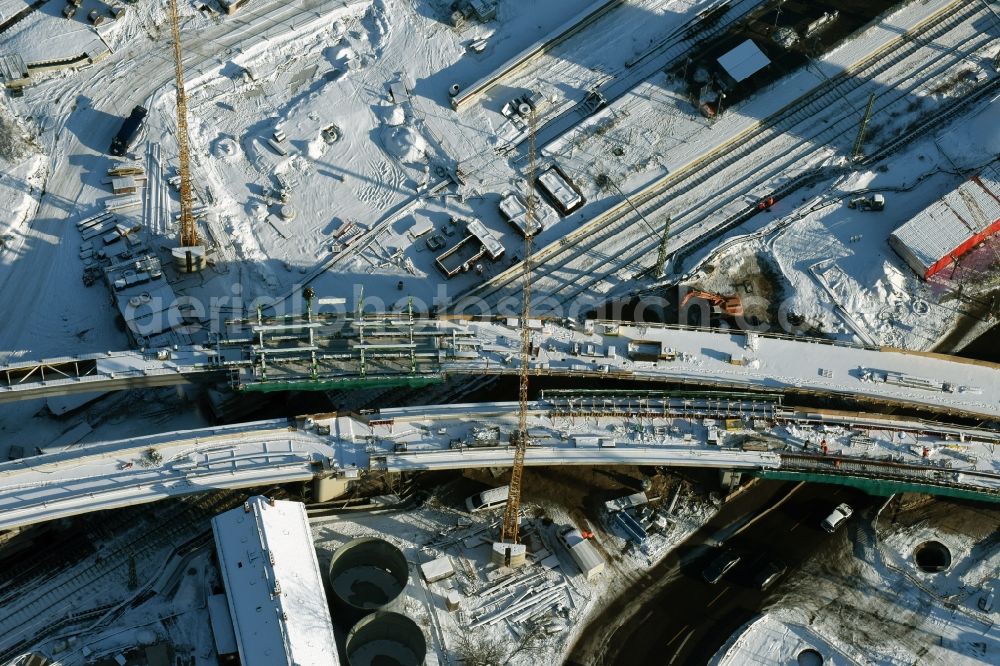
(499, 332)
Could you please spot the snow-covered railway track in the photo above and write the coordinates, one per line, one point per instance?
(616, 82)
(46, 604)
(886, 470)
(780, 146)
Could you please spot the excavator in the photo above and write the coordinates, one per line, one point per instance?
(730, 305)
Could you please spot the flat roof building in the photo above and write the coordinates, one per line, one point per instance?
(273, 585)
(951, 226)
(743, 61)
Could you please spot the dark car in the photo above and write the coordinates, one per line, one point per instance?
(770, 574)
(725, 561)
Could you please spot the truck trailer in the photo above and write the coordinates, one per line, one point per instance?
(129, 132)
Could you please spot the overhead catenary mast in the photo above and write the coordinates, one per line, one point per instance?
(190, 256)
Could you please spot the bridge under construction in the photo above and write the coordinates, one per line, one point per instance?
(319, 352)
(731, 432)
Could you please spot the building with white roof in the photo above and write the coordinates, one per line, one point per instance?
(743, 61)
(273, 585)
(515, 210)
(583, 553)
(560, 190)
(952, 225)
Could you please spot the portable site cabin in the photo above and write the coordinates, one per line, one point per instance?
(744, 61)
(583, 553)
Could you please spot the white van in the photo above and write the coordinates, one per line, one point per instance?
(488, 499)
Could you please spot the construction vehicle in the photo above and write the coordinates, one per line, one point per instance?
(765, 203)
(129, 133)
(868, 202)
(730, 305)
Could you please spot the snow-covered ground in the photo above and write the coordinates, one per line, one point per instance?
(22, 175)
(365, 173)
(438, 531)
(388, 166)
(838, 270)
(866, 600)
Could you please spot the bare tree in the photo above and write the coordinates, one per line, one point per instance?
(483, 650)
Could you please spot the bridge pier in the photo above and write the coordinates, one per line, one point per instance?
(326, 488)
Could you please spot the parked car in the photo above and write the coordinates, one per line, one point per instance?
(837, 518)
(725, 561)
(770, 574)
(488, 499)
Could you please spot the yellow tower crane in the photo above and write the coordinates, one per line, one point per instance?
(508, 551)
(190, 256)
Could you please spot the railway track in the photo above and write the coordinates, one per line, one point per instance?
(667, 53)
(37, 612)
(572, 266)
(885, 470)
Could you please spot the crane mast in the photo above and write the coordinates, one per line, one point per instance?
(509, 531)
(189, 255)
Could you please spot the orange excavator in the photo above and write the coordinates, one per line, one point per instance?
(731, 305)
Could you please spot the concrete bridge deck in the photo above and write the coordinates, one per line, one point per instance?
(330, 353)
(733, 434)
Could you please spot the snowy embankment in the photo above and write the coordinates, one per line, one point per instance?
(867, 599)
(22, 177)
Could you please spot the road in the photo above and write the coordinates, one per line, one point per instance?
(683, 619)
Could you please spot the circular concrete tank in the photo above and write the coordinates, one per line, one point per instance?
(367, 575)
(386, 639)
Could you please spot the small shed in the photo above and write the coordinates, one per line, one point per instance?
(583, 553)
(398, 92)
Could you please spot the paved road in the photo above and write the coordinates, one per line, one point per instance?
(688, 620)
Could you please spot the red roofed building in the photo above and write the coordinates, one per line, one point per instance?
(952, 225)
